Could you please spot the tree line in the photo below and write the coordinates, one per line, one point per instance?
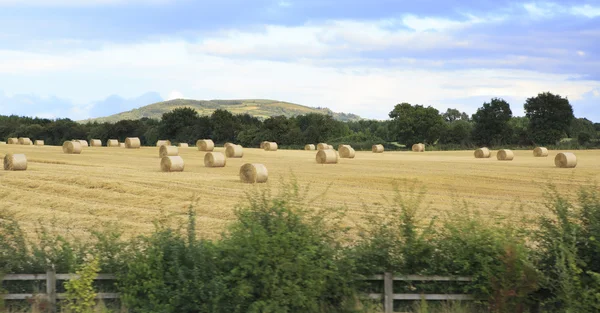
(548, 119)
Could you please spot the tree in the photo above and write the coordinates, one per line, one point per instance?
(458, 132)
(225, 126)
(415, 124)
(550, 117)
(178, 124)
(491, 123)
(453, 115)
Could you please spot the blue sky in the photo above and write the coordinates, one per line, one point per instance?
(87, 58)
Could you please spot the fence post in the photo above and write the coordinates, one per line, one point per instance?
(388, 289)
(51, 288)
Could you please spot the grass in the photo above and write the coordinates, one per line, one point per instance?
(115, 184)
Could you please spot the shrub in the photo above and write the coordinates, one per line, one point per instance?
(80, 294)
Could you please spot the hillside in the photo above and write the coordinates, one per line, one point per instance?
(258, 108)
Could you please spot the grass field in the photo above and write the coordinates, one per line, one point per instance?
(115, 184)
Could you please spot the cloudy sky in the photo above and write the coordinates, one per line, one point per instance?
(87, 58)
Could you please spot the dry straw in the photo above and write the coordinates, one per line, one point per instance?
(340, 146)
(112, 143)
(540, 152)
(164, 151)
(72, 147)
(262, 144)
(253, 173)
(163, 143)
(95, 143)
(505, 155)
(347, 152)
(13, 141)
(482, 153)
(2, 142)
(327, 156)
(15, 162)
(83, 143)
(565, 160)
(330, 147)
(39, 142)
(418, 147)
(205, 145)
(270, 146)
(227, 144)
(214, 159)
(234, 151)
(132, 143)
(310, 147)
(171, 164)
(377, 148)
(322, 146)
(122, 145)
(25, 141)
(183, 145)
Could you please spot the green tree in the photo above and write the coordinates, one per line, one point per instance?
(414, 124)
(550, 117)
(225, 126)
(491, 123)
(178, 124)
(452, 115)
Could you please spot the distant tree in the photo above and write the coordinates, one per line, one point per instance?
(452, 115)
(177, 125)
(519, 127)
(225, 126)
(413, 124)
(491, 123)
(458, 133)
(584, 138)
(582, 125)
(550, 117)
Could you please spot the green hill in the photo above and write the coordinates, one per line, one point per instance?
(255, 107)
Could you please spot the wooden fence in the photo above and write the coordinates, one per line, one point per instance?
(388, 288)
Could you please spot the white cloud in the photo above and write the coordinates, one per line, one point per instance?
(581, 53)
(174, 95)
(596, 93)
(586, 10)
(551, 9)
(78, 3)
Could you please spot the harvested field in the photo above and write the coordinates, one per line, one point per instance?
(127, 185)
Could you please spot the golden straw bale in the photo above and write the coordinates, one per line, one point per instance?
(234, 151)
(13, 141)
(482, 153)
(95, 143)
(15, 162)
(164, 151)
(253, 173)
(270, 146)
(39, 142)
(172, 164)
(330, 147)
(205, 145)
(122, 145)
(132, 143)
(505, 155)
(565, 160)
(112, 143)
(183, 145)
(2, 142)
(418, 147)
(328, 156)
(227, 144)
(377, 148)
(347, 152)
(309, 147)
(83, 143)
(540, 152)
(262, 144)
(25, 141)
(72, 147)
(163, 143)
(214, 159)
(322, 146)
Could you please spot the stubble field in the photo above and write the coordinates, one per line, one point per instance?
(80, 192)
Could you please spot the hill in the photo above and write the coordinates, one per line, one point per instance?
(256, 107)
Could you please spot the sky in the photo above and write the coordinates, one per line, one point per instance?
(90, 58)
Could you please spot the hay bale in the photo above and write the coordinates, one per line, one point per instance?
(13, 141)
(565, 160)
(83, 143)
(183, 145)
(270, 146)
(171, 164)
(163, 143)
(322, 146)
(214, 159)
(95, 143)
(39, 142)
(132, 143)
(505, 155)
(330, 147)
(328, 156)
(340, 146)
(122, 145)
(234, 151)
(164, 151)
(72, 147)
(15, 162)
(112, 143)
(483, 153)
(310, 147)
(2, 142)
(25, 141)
(205, 145)
(377, 149)
(418, 147)
(347, 152)
(540, 152)
(262, 144)
(227, 144)
(253, 173)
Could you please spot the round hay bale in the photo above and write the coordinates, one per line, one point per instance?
(183, 145)
(322, 146)
(270, 146)
(25, 141)
(540, 152)
(340, 146)
(347, 152)
(310, 147)
(565, 160)
(95, 143)
(253, 173)
(418, 147)
(2, 142)
(13, 141)
(132, 143)
(163, 143)
(164, 151)
(330, 147)
(171, 164)
(214, 159)
(377, 148)
(482, 153)
(205, 145)
(234, 151)
(83, 143)
(15, 162)
(122, 145)
(505, 155)
(327, 156)
(262, 144)
(72, 147)
(112, 143)
(39, 143)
